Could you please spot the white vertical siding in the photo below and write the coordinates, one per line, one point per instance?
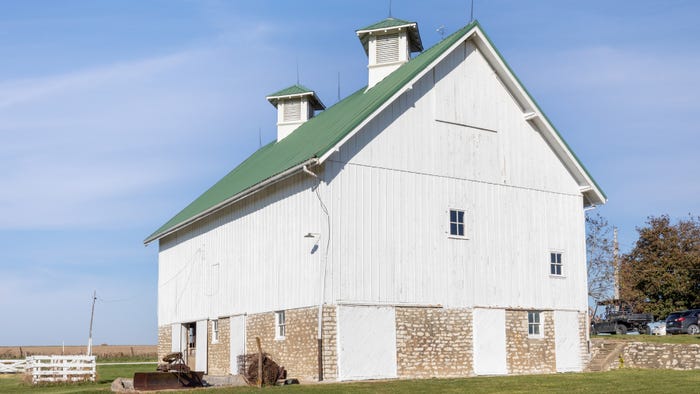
(457, 139)
(393, 183)
(259, 250)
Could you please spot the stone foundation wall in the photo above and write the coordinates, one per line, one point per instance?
(525, 355)
(164, 341)
(218, 360)
(298, 351)
(330, 348)
(583, 334)
(658, 356)
(433, 342)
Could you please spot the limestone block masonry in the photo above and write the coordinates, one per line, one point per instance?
(658, 356)
(526, 355)
(164, 341)
(218, 359)
(433, 342)
(298, 351)
(583, 331)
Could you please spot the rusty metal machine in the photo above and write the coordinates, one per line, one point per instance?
(174, 374)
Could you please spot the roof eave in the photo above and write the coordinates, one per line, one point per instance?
(407, 86)
(370, 31)
(233, 199)
(315, 100)
(533, 113)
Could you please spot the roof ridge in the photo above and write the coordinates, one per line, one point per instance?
(319, 135)
(310, 140)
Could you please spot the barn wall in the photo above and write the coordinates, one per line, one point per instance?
(433, 342)
(298, 351)
(248, 258)
(219, 361)
(527, 355)
(392, 184)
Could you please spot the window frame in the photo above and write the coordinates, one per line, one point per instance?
(280, 325)
(554, 265)
(215, 331)
(457, 222)
(535, 326)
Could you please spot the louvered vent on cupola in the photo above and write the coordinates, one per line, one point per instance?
(295, 105)
(388, 45)
(387, 48)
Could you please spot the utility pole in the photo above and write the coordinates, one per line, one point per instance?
(92, 315)
(616, 264)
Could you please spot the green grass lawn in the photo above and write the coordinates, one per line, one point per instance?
(681, 339)
(620, 381)
(105, 376)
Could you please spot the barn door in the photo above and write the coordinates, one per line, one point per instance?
(567, 341)
(201, 345)
(490, 342)
(237, 342)
(175, 338)
(366, 342)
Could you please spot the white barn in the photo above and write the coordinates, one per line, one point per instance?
(430, 224)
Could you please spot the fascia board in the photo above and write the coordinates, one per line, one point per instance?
(528, 105)
(360, 32)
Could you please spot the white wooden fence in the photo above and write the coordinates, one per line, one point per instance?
(61, 368)
(12, 366)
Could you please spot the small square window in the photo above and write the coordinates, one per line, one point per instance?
(456, 223)
(534, 324)
(215, 331)
(280, 325)
(555, 264)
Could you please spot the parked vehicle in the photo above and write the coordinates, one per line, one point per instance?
(619, 319)
(657, 327)
(683, 322)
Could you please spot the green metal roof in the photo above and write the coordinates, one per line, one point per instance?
(297, 90)
(290, 91)
(415, 43)
(312, 139)
(387, 23)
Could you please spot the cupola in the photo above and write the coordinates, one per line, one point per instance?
(388, 44)
(295, 105)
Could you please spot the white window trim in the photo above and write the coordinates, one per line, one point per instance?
(549, 265)
(540, 323)
(280, 327)
(215, 331)
(464, 223)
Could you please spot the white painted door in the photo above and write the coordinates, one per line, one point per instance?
(366, 342)
(237, 341)
(567, 341)
(201, 346)
(490, 342)
(175, 338)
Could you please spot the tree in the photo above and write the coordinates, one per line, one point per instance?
(662, 272)
(599, 257)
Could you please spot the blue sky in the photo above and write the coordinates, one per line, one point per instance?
(114, 115)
